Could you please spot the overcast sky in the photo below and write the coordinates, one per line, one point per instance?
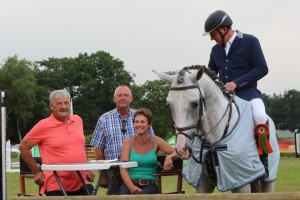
(165, 35)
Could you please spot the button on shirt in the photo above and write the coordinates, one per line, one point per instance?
(245, 64)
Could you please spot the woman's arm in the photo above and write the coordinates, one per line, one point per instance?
(168, 149)
(163, 146)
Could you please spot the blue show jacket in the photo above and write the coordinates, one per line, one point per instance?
(245, 64)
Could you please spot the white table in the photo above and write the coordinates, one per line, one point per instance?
(91, 165)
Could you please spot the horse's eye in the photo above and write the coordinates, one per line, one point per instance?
(194, 104)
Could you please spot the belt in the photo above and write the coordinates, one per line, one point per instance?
(143, 181)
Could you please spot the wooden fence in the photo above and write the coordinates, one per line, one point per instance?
(223, 196)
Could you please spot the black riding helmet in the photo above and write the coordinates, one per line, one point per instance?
(215, 20)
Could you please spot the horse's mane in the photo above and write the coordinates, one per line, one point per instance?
(209, 72)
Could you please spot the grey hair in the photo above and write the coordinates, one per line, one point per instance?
(123, 85)
(58, 93)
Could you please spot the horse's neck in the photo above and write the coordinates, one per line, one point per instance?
(214, 120)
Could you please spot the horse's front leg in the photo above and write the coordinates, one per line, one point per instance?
(206, 184)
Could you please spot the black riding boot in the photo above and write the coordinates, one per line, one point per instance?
(261, 132)
(265, 162)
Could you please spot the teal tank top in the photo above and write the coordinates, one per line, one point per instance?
(147, 164)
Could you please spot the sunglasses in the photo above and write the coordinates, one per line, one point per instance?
(124, 129)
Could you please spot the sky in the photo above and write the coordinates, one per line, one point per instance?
(164, 35)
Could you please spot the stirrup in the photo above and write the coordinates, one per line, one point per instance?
(263, 144)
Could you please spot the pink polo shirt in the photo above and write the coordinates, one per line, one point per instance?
(60, 142)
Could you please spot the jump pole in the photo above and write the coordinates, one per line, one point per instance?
(3, 142)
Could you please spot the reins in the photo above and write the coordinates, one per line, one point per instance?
(229, 106)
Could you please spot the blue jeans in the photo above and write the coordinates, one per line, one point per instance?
(113, 180)
(147, 189)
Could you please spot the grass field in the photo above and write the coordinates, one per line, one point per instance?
(287, 181)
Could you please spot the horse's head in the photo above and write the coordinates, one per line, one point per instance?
(186, 103)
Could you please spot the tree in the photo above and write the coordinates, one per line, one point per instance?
(153, 95)
(18, 82)
(90, 79)
(290, 106)
(284, 109)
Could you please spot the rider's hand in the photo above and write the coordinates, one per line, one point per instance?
(230, 86)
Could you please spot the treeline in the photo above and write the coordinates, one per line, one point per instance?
(91, 80)
(284, 109)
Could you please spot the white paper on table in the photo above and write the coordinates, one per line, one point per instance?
(103, 161)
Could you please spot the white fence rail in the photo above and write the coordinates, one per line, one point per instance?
(10, 166)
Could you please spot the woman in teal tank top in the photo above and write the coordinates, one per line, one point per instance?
(143, 149)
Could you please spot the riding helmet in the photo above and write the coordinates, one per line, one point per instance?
(215, 20)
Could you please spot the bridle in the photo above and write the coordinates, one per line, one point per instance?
(202, 106)
(180, 130)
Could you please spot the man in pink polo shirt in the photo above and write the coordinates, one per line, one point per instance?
(60, 139)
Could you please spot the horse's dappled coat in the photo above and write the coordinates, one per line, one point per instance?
(212, 126)
(238, 160)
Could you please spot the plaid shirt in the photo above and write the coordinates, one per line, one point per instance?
(108, 134)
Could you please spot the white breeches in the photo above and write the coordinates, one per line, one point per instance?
(258, 111)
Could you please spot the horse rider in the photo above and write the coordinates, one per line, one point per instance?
(239, 61)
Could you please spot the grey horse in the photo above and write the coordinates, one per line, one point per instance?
(215, 133)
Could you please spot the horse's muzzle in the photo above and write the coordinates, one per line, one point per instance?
(182, 154)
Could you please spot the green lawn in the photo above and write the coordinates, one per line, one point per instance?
(287, 181)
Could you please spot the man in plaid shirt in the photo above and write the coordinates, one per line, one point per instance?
(112, 129)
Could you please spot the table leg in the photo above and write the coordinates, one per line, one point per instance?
(59, 183)
(84, 185)
(98, 183)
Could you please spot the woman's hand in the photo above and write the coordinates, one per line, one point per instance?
(135, 190)
(168, 164)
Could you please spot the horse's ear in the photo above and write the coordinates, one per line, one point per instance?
(197, 75)
(200, 73)
(163, 76)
